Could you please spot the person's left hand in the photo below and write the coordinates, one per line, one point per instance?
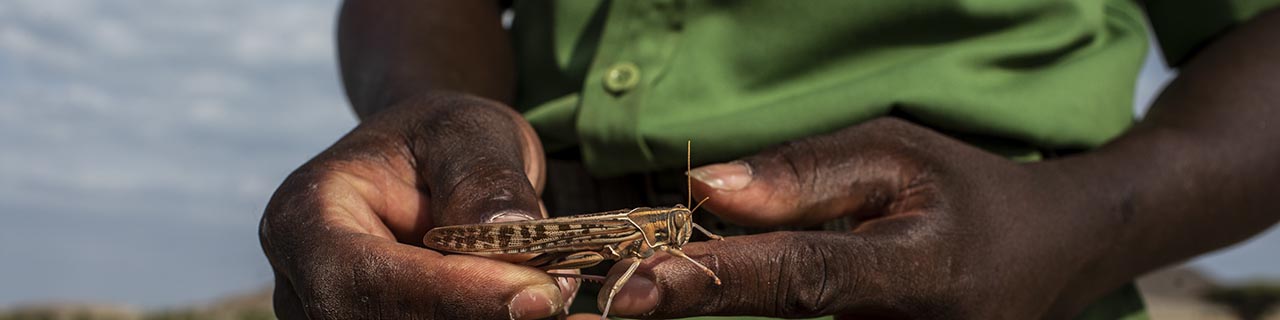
(945, 231)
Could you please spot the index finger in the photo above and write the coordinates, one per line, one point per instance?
(781, 274)
(363, 276)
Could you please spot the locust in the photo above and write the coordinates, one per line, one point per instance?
(581, 241)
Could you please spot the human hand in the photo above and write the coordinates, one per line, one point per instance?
(344, 232)
(945, 231)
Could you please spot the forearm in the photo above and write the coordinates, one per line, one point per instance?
(1200, 172)
(389, 50)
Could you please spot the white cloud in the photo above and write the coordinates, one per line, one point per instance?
(208, 111)
(288, 33)
(115, 38)
(46, 10)
(27, 48)
(213, 83)
(153, 129)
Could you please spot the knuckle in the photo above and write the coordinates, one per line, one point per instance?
(462, 116)
(799, 159)
(484, 192)
(798, 154)
(285, 211)
(807, 293)
(818, 166)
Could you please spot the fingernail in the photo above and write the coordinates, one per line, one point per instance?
(724, 176)
(509, 216)
(534, 302)
(639, 296)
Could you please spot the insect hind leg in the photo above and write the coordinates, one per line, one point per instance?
(586, 277)
(565, 260)
(617, 286)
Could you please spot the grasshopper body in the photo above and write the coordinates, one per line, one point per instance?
(580, 241)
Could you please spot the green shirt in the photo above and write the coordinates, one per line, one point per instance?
(628, 82)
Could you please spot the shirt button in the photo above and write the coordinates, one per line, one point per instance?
(621, 77)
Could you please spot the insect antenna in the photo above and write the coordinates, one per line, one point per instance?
(695, 208)
(688, 166)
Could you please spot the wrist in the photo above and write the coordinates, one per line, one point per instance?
(1098, 205)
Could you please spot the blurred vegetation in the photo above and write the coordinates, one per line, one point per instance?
(90, 314)
(255, 314)
(253, 305)
(1250, 301)
(57, 314)
(189, 314)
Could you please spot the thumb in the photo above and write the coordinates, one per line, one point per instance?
(802, 183)
(479, 161)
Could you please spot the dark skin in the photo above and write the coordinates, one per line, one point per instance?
(949, 231)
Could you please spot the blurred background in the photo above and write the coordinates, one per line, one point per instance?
(140, 141)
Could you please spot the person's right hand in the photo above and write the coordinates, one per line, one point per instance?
(344, 232)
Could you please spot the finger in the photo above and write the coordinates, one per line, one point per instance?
(568, 286)
(785, 274)
(338, 268)
(809, 181)
(535, 164)
(362, 276)
(475, 158)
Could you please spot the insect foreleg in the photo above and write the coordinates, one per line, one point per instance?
(708, 233)
(678, 253)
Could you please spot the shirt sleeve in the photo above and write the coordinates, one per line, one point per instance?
(1184, 26)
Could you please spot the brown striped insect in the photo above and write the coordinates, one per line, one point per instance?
(582, 241)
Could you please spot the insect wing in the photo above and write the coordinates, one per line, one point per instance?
(583, 232)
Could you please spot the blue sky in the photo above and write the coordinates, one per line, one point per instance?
(140, 140)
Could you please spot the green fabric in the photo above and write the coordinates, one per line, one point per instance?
(1013, 76)
(738, 76)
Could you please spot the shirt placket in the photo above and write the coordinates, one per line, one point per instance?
(637, 42)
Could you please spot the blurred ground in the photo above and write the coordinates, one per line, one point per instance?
(1177, 294)
(1171, 294)
(255, 305)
